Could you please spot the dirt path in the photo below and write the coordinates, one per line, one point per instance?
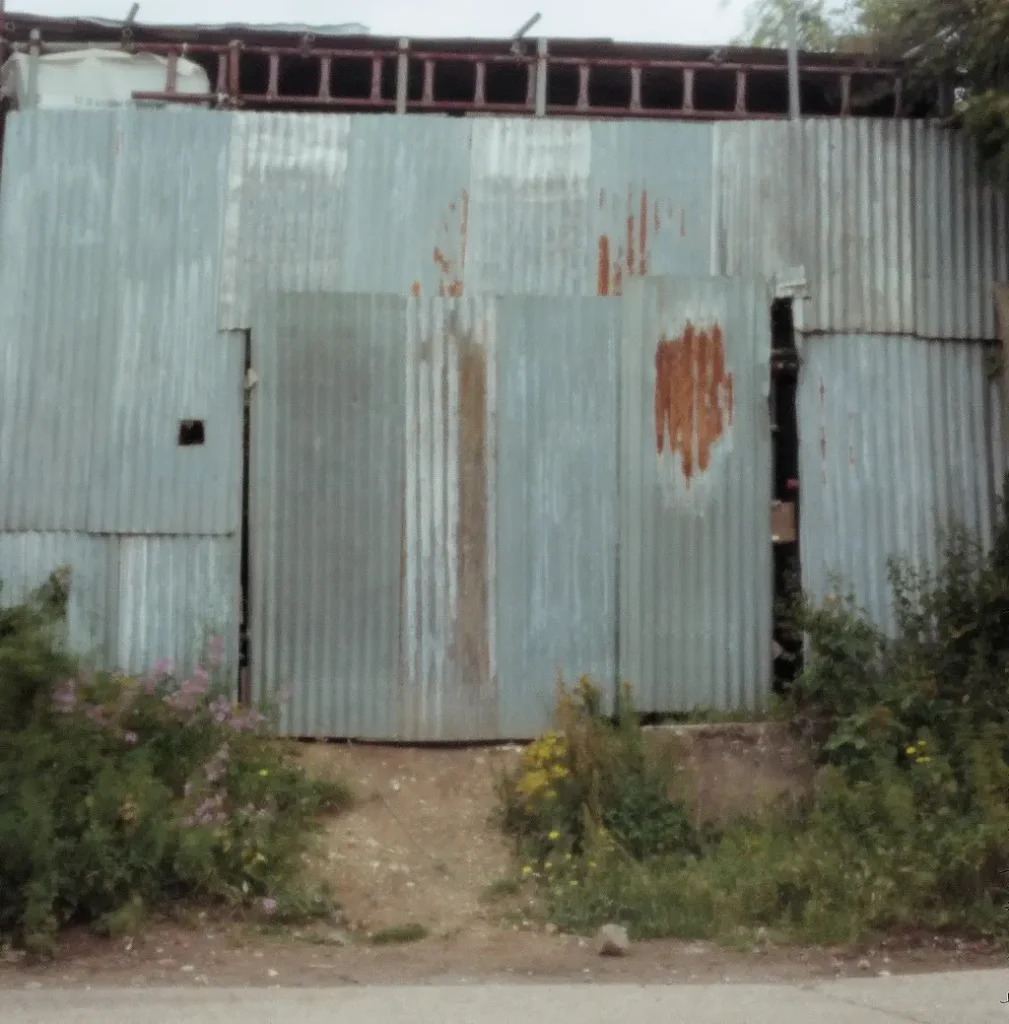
(419, 849)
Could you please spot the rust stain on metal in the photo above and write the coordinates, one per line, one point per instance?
(603, 270)
(823, 443)
(823, 393)
(643, 234)
(694, 397)
(471, 628)
(415, 289)
(851, 456)
(450, 257)
(631, 256)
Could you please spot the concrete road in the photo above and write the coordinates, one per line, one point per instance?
(974, 997)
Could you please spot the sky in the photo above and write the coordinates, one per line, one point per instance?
(650, 21)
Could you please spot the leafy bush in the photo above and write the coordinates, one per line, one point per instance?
(120, 794)
(592, 774)
(907, 827)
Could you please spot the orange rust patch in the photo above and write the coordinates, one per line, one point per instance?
(442, 260)
(415, 289)
(641, 219)
(643, 235)
(603, 271)
(471, 645)
(694, 398)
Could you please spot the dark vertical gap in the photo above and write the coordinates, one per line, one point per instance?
(785, 489)
(244, 680)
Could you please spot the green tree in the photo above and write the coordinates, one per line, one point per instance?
(819, 24)
(957, 47)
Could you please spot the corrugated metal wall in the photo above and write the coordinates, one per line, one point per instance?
(899, 437)
(557, 497)
(896, 231)
(326, 510)
(696, 590)
(138, 246)
(111, 231)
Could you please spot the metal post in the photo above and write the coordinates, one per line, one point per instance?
(34, 56)
(402, 75)
(541, 78)
(793, 61)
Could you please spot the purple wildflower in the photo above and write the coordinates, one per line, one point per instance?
(268, 905)
(162, 668)
(216, 767)
(215, 650)
(220, 711)
(65, 696)
(96, 714)
(130, 739)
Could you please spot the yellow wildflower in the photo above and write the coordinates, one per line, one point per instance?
(553, 835)
(573, 883)
(527, 870)
(923, 760)
(264, 772)
(910, 751)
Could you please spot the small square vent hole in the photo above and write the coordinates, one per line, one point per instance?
(191, 433)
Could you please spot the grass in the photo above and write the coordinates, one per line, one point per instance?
(501, 889)
(399, 935)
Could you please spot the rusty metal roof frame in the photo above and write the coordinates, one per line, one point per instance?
(281, 68)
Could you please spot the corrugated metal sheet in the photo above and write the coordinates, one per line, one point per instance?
(26, 561)
(889, 218)
(898, 437)
(961, 238)
(450, 534)
(108, 307)
(327, 510)
(695, 487)
(284, 224)
(55, 198)
(161, 359)
(173, 594)
(557, 502)
(408, 207)
(833, 196)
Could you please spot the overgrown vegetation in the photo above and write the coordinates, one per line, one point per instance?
(119, 795)
(907, 826)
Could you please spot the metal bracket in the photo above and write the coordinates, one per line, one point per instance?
(791, 284)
